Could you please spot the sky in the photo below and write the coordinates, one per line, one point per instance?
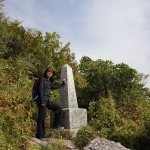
(116, 30)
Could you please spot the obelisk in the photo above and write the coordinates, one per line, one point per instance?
(68, 98)
(73, 117)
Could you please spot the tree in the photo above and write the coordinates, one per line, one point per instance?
(105, 78)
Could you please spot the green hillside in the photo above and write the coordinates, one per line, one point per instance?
(114, 94)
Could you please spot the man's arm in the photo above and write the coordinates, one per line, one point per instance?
(41, 90)
(58, 86)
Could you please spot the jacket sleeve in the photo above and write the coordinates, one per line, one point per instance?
(41, 86)
(57, 86)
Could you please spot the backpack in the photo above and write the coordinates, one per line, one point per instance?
(35, 89)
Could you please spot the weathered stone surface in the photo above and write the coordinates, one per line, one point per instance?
(34, 142)
(68, 98)
(37, 141)
(29, 144)
(74, 118)
(104, 144)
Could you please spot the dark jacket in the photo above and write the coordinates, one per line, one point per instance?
(45, 88)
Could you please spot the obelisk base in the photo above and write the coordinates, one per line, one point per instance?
(72, 118)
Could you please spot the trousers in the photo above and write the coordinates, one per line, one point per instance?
(42, 116)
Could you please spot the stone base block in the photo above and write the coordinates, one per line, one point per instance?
(74, 118)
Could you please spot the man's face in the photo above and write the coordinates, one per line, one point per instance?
(49, 74)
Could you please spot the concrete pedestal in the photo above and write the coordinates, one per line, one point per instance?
(74, 118)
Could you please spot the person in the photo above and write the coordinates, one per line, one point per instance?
(43, 102)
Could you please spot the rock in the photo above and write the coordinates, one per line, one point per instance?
(36, 142)
(104, 144)
(29, 144)
(96, 144)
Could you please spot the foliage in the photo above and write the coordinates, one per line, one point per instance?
(24, 54)
(103, 114)
(130, 134)
(16, 112)
(58, 145)
(84, 136)
(104, 78)
(120, 125)
(65, 134)
(117, 101)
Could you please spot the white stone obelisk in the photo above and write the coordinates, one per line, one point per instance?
(68, 98)
(73, 117)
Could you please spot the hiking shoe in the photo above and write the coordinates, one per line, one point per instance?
(43, 139)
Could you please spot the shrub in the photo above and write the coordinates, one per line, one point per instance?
(103, 114)
(112, 123)
(58, 145)
(127, 133)
(84, 136)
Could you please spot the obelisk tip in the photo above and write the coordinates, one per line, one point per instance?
(66, 65)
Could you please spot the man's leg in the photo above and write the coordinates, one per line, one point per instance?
(41, 121)
(58, 114)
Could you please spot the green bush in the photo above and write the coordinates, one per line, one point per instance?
(127, 133)
(103, 114)
(113, 124)
(15, 129)
(58, 145)
(84, 136)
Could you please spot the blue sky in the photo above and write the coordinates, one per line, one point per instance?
(116, 30)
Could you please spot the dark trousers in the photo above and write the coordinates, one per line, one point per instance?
(42, 116)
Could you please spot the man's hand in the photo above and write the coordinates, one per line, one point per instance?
(64, 80)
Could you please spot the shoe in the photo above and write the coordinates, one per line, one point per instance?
(60, 128)
(43, 139)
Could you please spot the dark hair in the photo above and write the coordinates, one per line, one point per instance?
(49, 70)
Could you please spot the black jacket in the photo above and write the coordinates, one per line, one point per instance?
(44, 89)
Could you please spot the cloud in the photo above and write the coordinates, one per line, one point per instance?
(109, 30)
(115, 31)
(23, 11)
